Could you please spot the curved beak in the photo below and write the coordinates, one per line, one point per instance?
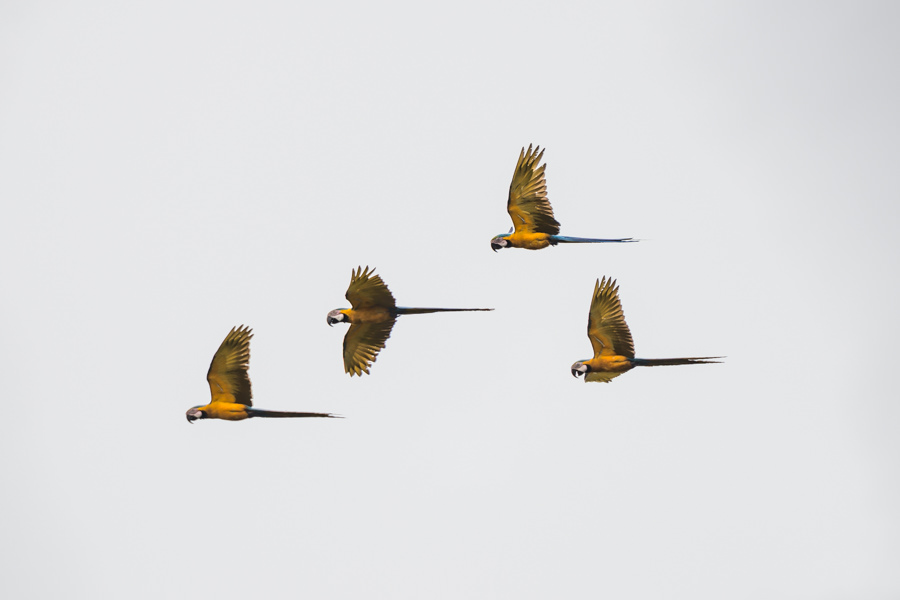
(576, 373)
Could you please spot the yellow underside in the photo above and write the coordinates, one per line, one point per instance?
(529, 241)
(614, 363)
(228, 411)
(375, 314)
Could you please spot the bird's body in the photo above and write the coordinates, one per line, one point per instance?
(372, 316)
(227, 411)
(530, 240)
(611, 340)
(615, 364)
(229, 384)
(534, 226)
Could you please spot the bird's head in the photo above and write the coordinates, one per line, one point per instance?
(499, 241)
(335, 316)
(194, 413)
(580, 368)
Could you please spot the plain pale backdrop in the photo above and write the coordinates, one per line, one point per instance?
(171, 169)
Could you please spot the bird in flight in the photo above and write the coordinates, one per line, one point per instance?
(371, 319)
(229, 384)
(611, 340)
(534, 226)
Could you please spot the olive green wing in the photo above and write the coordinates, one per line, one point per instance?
(528, 205)
(605, 377)
(367, 290)
(362, 344)
(227, 376)
(607, 330)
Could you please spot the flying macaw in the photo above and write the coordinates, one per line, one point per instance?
(611, 340)
(229, 384)
(371, 319)
(534, 226)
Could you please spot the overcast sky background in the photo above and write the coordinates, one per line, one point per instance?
(171, 169)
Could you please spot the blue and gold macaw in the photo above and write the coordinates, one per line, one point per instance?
(229, 384)
(611, 340)
(534, 226)
(371, 319)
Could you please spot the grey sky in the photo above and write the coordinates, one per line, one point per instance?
(171, 169)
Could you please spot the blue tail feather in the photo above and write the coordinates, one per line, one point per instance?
(657, 362)
(279, 414)
(404, 310)
(555, 239)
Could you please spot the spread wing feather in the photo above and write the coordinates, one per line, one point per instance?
(227, 376)
(607, 330)
(528, 205)
(367, 290)
(362, 344)
(603, 376)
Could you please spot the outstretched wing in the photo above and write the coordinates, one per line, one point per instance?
(607, 329)
(362, 344)
(528, 205)
(367, 290)
(227, 376)
(603, 376)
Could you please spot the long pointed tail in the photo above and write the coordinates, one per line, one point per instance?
(555, 239)
(659, 362)
(278, 414)
(402, 310)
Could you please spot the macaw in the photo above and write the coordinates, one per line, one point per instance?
(534, 226)
(611, 340)
(371, 319)
(229, 384)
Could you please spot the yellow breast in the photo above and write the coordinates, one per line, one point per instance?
(228, 411)
(529, 241)
(610, 364)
